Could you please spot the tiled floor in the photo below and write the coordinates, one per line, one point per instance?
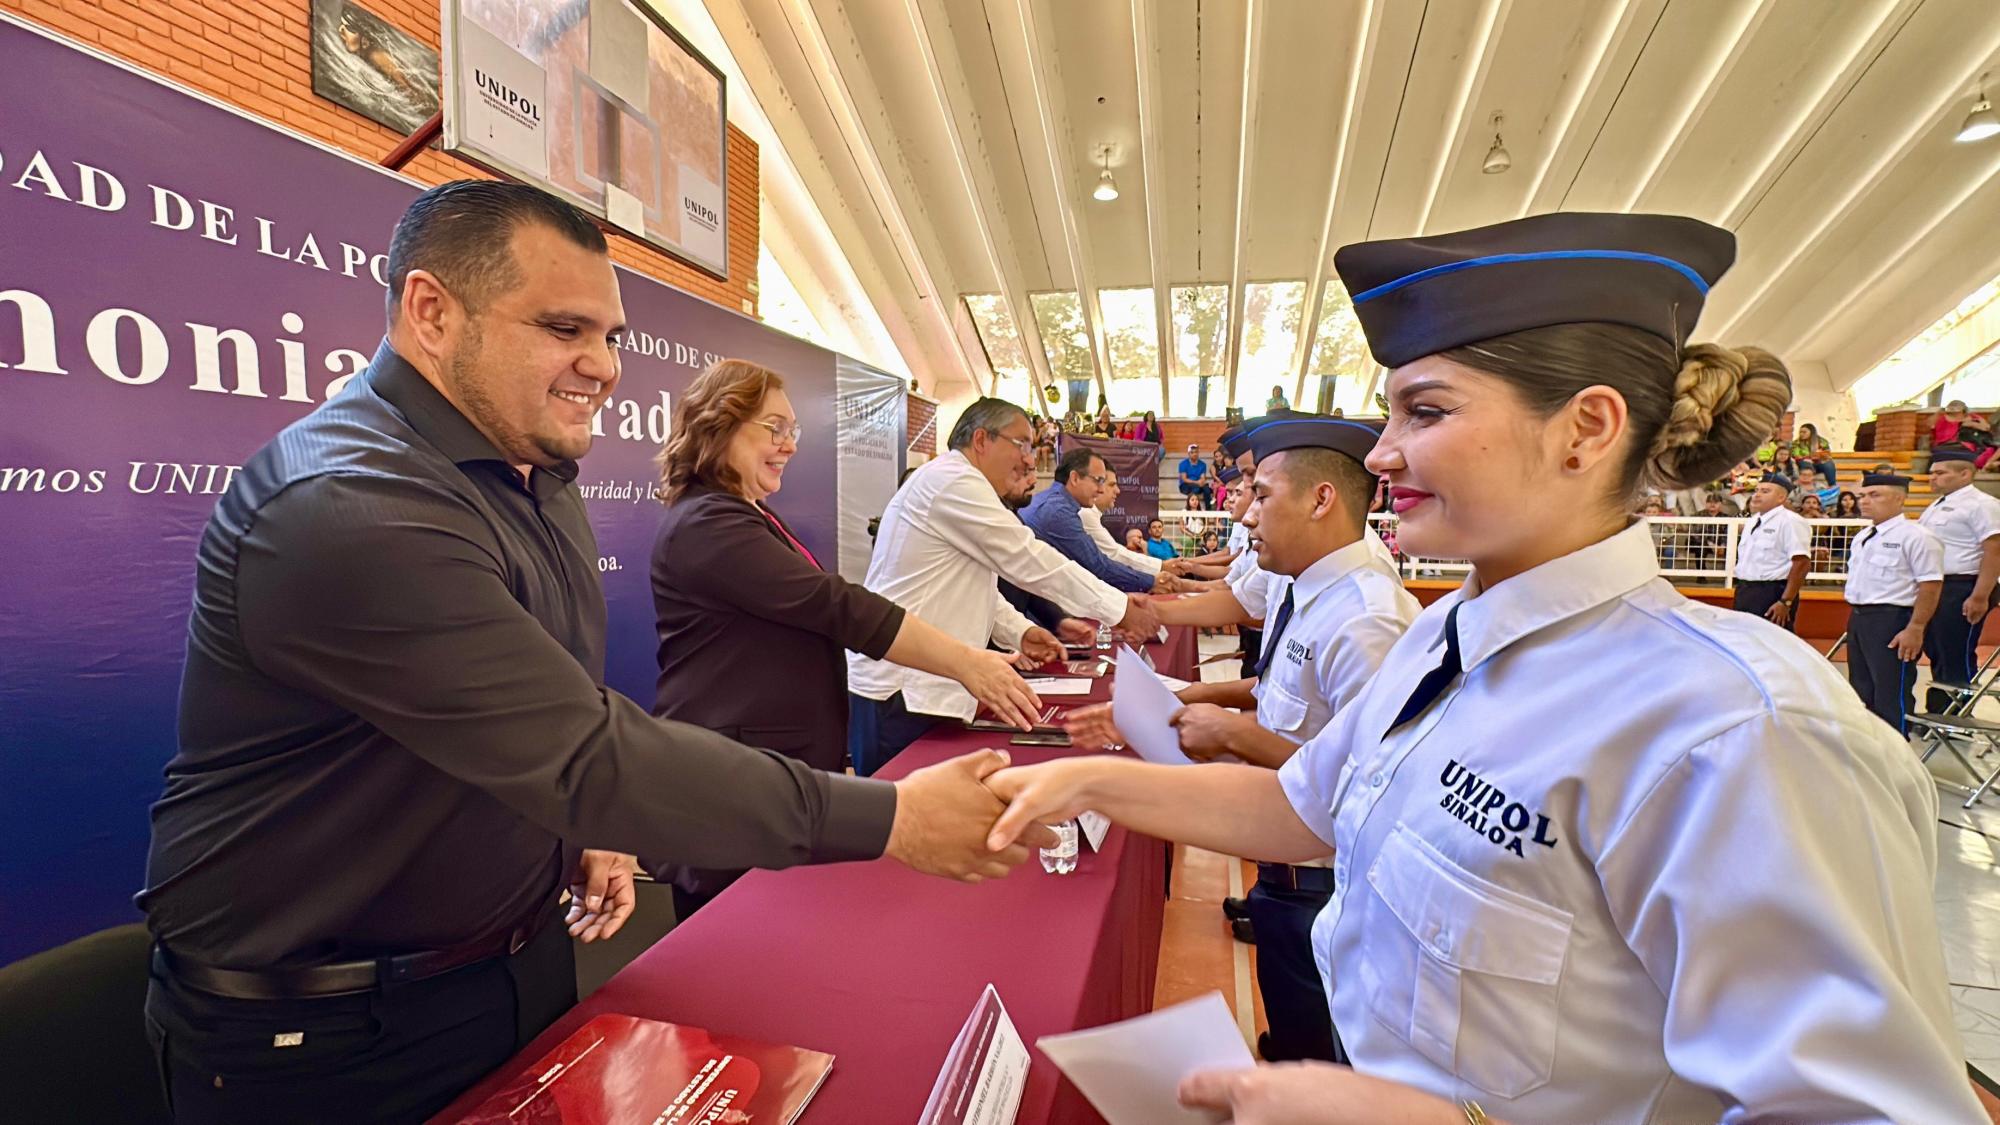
(1197, 954)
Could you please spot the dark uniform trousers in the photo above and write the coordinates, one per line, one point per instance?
(1950, 641)
(1283, 905)
(1758, 597)
(398, 1053)
(1884, 681)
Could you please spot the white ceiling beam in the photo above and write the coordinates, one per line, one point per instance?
(844, 103)
(1453, 137)
(1700, 97)
(1045, 85)
(1611, 35)
(1951, 104)
(1153, 162)
(946, 72)
(1894, 14)
(1253, 62)
(1863, 284)
(1365, 27)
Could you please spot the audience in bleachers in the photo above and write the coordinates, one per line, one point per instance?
(1958, 424)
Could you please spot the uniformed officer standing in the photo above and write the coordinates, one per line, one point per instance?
(1894, 578)
(1588, 862)
(1967, 524)
(1773, 554)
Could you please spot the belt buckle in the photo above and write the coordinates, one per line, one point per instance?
(516, 940)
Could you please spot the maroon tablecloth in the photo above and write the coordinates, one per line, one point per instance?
(880, 966)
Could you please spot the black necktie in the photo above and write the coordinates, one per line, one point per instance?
(1755, 524)
(1435, 680)
(1863, 540)
(1277, 632)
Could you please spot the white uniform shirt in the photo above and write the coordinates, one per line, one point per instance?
(1769, 544)
(1888, 560)
(943, 541)
(1962, 522)
(1347, 612)
(1646, 860)
(1093, 526)
(1239, 538)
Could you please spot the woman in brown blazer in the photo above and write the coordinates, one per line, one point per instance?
(752, 627)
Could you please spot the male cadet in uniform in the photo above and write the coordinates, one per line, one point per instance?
(1967, 524)
(1894, 576)
(395, 738)
(1342, 609)
(1773, 555)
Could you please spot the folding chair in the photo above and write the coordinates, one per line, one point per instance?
(1957, 723)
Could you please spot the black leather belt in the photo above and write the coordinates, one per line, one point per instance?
(340, 979)
(1284, 876)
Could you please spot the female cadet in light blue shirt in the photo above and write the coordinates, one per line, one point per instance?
(1601, 853)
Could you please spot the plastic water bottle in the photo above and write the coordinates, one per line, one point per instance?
(1061, 859)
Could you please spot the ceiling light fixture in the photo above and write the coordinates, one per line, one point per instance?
(1981, 123)
(1107, 188)
(1497, 160)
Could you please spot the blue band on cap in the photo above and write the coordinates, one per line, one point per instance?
(1701, 286)
(1369, 430)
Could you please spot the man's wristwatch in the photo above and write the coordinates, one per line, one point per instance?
(1473, 1114)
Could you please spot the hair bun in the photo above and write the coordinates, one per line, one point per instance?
(1727, 402)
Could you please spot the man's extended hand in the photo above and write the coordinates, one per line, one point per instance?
(1040, 645)
(1205, 730)
(1313, 1093)
(1166, 584)
(944, 815)
(1141, 623)
(601, 894)
(1076, 631)
(1092, 726)
(1038, 796)
(1909, 643)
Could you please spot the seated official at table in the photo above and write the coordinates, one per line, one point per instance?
(395, 738)
(752, 628)
(1055, 515)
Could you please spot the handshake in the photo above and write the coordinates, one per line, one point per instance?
(948, 816)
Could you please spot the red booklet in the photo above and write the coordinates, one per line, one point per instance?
(622, 1070)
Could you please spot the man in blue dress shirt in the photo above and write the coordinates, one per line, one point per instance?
(1055, 516)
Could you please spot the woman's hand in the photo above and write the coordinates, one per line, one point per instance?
(1314, 1094)
(991, 679)
(1049, 793)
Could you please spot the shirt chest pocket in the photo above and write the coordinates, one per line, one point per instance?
(1466, 972)
(1283, 709)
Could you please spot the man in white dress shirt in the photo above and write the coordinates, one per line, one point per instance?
(1894, 576)
(1773, 555)
(1967, 524)
(945, 541)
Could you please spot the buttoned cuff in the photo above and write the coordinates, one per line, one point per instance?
(860, 811)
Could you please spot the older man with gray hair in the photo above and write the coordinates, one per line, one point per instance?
(945, 541)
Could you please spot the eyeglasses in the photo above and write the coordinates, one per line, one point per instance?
(1098, 480)
(1025, 445)
(780, 434)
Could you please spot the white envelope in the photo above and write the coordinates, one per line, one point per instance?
(1131, 1070)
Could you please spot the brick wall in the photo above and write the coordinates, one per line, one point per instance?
(254, 54)
(923, 412)
(1177, 433)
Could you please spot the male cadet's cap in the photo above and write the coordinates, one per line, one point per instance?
(1419, 296)
(1953, 453)
(1889, 480)
(1235, 441)
(1779, 479)
(1342, 435)
(1229, 474)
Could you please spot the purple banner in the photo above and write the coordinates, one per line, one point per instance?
(1136, 464)
(178, 281)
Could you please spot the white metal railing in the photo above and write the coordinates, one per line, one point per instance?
(1692, 550)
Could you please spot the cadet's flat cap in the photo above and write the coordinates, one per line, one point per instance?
(1235, 441)
(1890, 480)
(1419, 296)
(1228, 474)
(1953, 453)
(1311, 431)
(1781, 480)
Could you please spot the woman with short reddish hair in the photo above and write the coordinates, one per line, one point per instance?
(752, 627)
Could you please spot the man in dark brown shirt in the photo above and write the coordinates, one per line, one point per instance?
(395, 742)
